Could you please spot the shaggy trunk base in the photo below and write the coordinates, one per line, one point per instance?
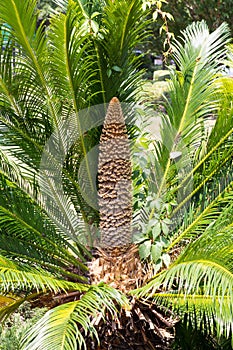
(119, 267)
(143, 328)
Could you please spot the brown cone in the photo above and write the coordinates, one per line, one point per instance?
(114, 179)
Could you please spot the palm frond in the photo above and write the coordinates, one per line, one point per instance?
(30, 66)
(62, 4)
(217, 157)
(202, 312)
(11, 14)
(200, 278)
(192, 92)
(207, 216)
(71, 60)
(14, 279)
(122, 28)
(60, 328)
(24, 224)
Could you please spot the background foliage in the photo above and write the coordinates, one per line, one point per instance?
(184, 12)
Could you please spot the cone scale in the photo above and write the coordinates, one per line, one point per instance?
(114, 179)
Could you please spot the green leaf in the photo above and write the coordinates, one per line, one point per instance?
(164, 241)
(109, 72)
(155, 15)
(95, 14)
(156, 230)
(116, 69)
(167, 221)
(144, 249)
(165, 228)
(140, 239)
(156, 251)
(157, 204)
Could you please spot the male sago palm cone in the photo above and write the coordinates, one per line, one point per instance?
(114, 178)
(117, 260)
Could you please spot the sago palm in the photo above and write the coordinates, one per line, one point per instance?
(48, 78)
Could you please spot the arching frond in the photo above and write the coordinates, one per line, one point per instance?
(122, 26)
(32, 43)
(205, 217)
(60, 328)
(26, 224)
(200, 281)
(192, 92)
(14, 279)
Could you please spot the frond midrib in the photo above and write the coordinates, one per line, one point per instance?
(188, 99)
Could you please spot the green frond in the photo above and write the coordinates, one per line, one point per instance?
(222, 129)
(62, 4)
(14, 279)
(40, 253)
(201, 277)
(60, 328)
(6, 98)
(192, 92)
(71, 59)
(211, 166)
(13, 11)
(23, 226)
(30, 64)
(25, 175)
(123, 27)
(218, 156)
(207, 216)
(202, 311)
